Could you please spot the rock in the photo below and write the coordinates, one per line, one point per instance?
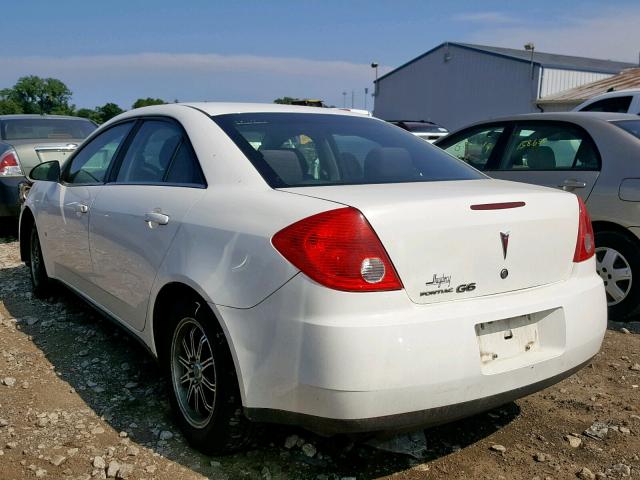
(9, 381)
(574, 441)
(290, 442)
(498, 448)
(12, 445)
(541, 457)
(622, 469)
(125, 470)
(133, 451)
(98, 462)
(309, 450)
(41, 472)
(598, 430)
(214, 464)
(586, 474)
(625, 330)
(42, 422)
(58, 460)
(112, 469)
(97, 431)
(31, 321)
(165, 435)
(624, 430)
(635, 367)
(3, 422)
(91, 384)
(150, 469)
(131, 385)
(123, 434)
(72, 451)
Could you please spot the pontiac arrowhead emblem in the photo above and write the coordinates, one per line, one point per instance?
(504, 238)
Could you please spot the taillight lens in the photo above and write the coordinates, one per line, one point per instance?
(9, 164)
(585, 244)
(339, 250)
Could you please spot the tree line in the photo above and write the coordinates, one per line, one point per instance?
(50, 96)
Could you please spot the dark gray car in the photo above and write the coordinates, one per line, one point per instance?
(594, 155)
(26, 141)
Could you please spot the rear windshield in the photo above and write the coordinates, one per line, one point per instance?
(298, 149)
(631, 126)
(45, 128)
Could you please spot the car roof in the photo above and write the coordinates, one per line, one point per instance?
(222, 108)
(27, 116)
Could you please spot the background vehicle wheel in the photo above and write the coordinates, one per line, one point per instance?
(618, 264)
(40, 283)
(204, 389)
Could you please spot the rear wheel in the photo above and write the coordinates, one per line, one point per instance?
(204, 387)
(618, 264)
(40, 283)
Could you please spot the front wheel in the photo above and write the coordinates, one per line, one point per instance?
(40, 283)
(204, 387)
(618, 264)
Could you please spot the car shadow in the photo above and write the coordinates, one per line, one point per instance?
(117, 378)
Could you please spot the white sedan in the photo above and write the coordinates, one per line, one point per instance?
(313, 267)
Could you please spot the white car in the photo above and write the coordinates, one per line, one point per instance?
(619, 101)
(313, 267)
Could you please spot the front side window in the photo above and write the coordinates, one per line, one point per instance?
(550, 146)
(297, 149)
(159, 153)
(91, 163)
(476, 147)
(614, 104)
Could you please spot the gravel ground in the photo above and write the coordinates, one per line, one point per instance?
(81, 400)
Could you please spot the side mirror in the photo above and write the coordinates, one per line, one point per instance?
(47, 171)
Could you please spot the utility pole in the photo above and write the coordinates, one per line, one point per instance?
(366, 92)
(352, 98)
(344, 99)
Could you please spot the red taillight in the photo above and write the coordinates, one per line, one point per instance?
(339, 250)
(585, 244)
(9, 164)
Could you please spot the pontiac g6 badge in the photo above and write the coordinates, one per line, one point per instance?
(504, 238)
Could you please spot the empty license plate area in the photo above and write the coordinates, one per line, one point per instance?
(516, 342)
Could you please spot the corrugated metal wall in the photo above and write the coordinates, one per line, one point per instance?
(556, 80)
(464, 87)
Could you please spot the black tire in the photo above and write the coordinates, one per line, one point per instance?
(40, 282)
(623, 251)
(224, 429)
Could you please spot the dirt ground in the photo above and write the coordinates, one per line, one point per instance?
(81, 400)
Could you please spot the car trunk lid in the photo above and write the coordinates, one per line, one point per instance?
(453, 240)
(34, 152)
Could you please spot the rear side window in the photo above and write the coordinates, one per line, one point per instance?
(474, 147)
(550, 146)
(614, 104)
(159, 153)
(45, 128)
(631, 126)
(296, 150)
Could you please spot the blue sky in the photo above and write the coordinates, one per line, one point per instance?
(259, 50)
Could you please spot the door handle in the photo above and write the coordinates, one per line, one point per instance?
(82, 208)
(572, 183)
(156, 218)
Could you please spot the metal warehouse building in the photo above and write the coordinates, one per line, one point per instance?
(457, 83)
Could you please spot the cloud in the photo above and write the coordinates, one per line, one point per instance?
(608, 34)
(95, 79)
(484, 17)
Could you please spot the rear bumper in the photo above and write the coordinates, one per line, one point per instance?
(348, 362)
(9, 196)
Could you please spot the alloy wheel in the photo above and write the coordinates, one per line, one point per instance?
(193, 372)
(615, 271)
(35, 260)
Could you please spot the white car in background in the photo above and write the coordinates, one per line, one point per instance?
(315, 267)
(620, 101)
(428, 131)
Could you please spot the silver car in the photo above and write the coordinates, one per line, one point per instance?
(594, 155)
(26, 141)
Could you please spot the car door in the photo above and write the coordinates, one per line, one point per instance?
(137, 214)
(549, 153)
(67, 210)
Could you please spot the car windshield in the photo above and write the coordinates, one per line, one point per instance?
(45, 128)
(631, 126)
(299, 149)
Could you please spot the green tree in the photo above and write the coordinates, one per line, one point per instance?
(7, 106)
(90, 114)
(145, 102)
(286, 100)
(108, 111)
(40, 95)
